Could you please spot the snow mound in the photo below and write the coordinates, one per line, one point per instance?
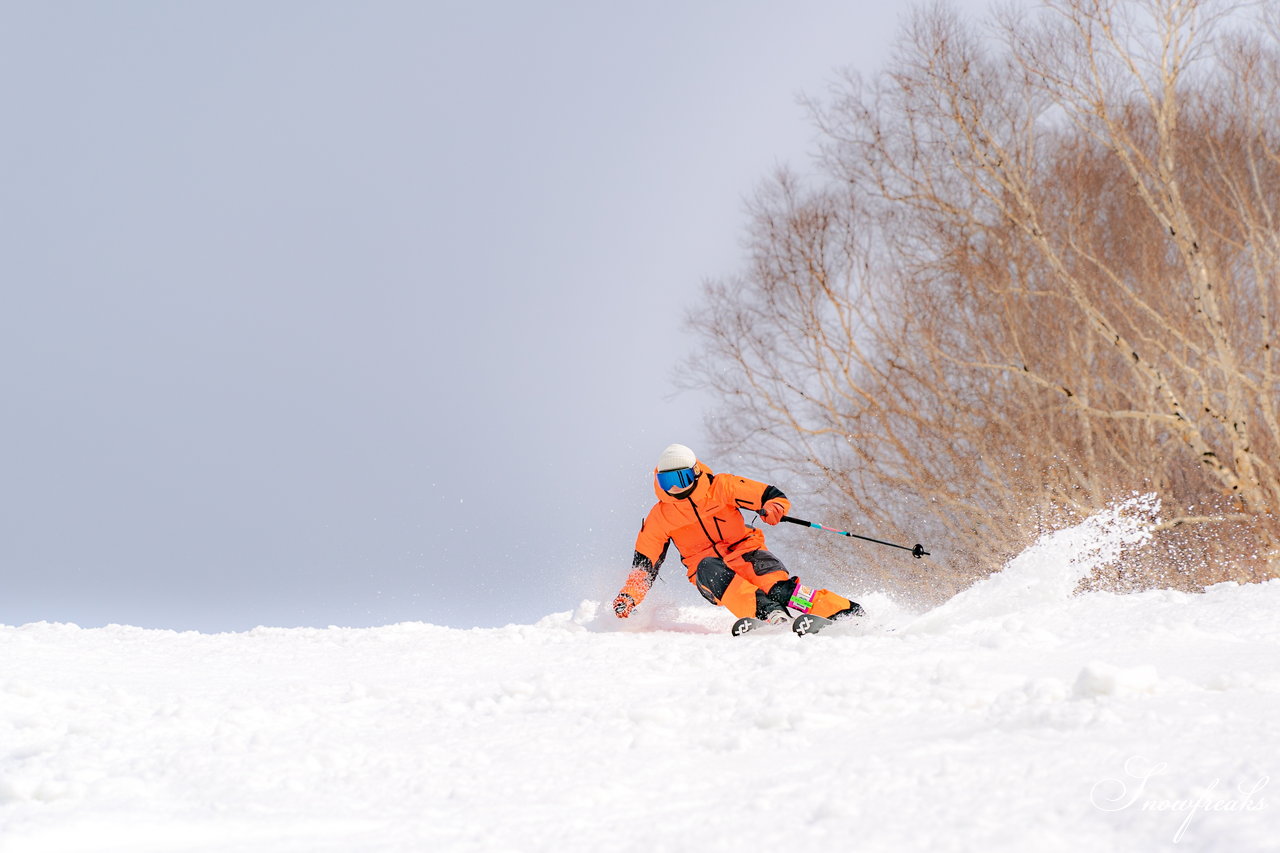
(1103, 679)
(1049, 571)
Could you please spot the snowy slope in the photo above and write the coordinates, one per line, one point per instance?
(1015, 717)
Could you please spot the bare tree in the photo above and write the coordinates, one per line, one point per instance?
(1039, 271)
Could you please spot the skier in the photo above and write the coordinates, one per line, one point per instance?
(701, 513)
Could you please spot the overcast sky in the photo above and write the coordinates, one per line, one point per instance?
(353, 313)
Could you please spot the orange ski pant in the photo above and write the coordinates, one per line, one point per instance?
(743, 583)
(735, 581)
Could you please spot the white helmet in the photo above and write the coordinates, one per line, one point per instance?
(676, 471)
(676, 456)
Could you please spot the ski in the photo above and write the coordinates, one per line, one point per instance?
(810, 624)
(747, 624)
(802, 626)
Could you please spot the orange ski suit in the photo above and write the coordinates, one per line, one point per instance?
(707, 529)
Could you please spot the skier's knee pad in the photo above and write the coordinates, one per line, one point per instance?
(713, 578)
(765, 563)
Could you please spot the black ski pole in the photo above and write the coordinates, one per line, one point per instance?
(918, 551)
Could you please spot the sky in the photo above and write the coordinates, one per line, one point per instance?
(338, 313)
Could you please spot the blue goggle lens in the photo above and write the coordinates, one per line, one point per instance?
(681, 478)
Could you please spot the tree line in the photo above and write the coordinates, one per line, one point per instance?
(1034, 271)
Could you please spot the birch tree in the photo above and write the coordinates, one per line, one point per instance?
(1037, 271)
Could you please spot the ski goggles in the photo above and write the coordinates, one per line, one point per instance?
(677, 480)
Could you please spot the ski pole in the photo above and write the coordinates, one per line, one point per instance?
(918, 551)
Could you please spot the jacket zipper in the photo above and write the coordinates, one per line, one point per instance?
(705, 532)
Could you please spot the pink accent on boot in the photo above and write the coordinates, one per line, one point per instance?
(802, 598)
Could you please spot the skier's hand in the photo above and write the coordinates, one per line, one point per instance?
(772, 512)
(623, 604)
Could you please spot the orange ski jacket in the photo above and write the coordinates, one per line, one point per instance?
(706, 523)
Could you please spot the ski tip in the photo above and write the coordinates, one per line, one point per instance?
(809, 624)
(749, 624)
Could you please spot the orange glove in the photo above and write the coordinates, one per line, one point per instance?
(632, 593)
(623, 605)
(772, 512)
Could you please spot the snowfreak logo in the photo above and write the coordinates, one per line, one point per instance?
(1113, 795)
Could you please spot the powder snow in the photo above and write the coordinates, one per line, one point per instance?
(1017, 716)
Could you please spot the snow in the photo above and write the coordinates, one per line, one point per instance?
(1014, 717)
